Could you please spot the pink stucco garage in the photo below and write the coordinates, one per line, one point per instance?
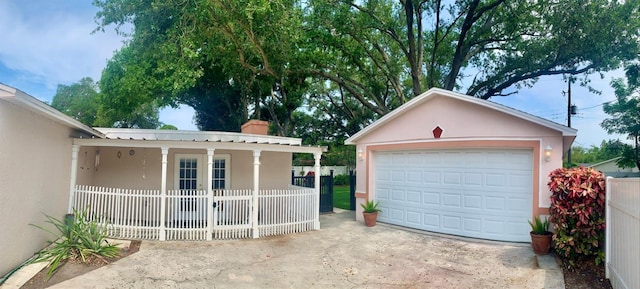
(450, 163)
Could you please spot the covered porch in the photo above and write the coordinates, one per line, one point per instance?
(179, 185)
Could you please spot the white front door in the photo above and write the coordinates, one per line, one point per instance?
(189, 176)
(190, 179)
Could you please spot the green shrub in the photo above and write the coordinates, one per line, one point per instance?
(370, 207)
(578, 212)
(340, 180)
(79, 239)
(539, 227)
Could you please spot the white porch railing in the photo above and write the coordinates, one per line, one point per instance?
(286, 211)
(137, 214)
(623, 232)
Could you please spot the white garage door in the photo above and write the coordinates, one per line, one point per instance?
(480, 193)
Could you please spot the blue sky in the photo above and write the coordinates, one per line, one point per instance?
(49, 42)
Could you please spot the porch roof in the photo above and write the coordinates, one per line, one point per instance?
(151, 138)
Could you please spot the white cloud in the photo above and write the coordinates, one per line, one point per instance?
(51, 43)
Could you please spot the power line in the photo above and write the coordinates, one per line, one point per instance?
(598, 105)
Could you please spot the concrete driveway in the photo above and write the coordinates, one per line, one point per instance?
(344, 254)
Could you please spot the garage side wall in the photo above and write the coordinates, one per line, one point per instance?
(35, 162)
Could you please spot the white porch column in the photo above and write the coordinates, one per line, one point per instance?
(316, 185)
(256, 189)
(210, 210)
(74, 176)
(163, 196)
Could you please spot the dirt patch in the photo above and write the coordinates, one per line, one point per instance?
(585, 275)
(72, 269)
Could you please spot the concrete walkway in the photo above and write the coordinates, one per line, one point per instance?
(344, 254)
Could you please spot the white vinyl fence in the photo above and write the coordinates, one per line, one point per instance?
(623, 232)
(184, 214)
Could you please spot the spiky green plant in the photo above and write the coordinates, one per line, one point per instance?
(78, 238)
(539, 227)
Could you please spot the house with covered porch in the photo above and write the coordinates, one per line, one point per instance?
(146, 184)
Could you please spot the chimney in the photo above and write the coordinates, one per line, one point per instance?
(255, 126)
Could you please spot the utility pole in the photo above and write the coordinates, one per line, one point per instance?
(571, 110)
(569, 116)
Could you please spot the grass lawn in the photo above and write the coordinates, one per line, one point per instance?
(341, 197)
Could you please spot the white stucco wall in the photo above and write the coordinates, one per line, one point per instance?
(143, 169)
(35, 161)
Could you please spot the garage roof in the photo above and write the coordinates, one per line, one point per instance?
(435, 92)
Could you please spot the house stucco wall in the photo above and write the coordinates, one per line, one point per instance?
(464, 124)
(35, 161)
(143, 168)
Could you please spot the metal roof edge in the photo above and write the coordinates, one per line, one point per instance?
(566, 131)
(31, 103)
(176, 134)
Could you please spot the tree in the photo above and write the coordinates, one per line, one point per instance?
(625, 114)
(127, 98)
(607, 150)
(175, 43)
(385, 52)
(215, 101)
(78, 100)
(361, 59)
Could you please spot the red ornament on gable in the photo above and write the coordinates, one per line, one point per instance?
(437, 132)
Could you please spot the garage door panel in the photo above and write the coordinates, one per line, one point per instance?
(396, 215)
(473, 225)
(472, 202)
(413, 217)
(429, 198)
(495, 180)
(452, 178)
(383, 175)
(398, 176)
(431, 221)
(475, 193)
(518, 181)
(451, 222)
(382, 194)
(473, 179)
(413, 197)
(431, 177)
(494, 203)
(397, 195)
(451, 200)
(414, 176)
(517, 205)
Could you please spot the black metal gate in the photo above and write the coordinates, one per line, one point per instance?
(326, 188)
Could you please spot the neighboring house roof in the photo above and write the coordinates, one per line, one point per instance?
(438, 92)
(30, 103)
(613, 160)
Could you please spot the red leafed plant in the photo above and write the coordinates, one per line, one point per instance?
(577, 212)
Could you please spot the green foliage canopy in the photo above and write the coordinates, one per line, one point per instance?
(78, 100)
(625, 114)
(354, 61)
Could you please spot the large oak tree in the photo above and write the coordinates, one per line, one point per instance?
(354, 61)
